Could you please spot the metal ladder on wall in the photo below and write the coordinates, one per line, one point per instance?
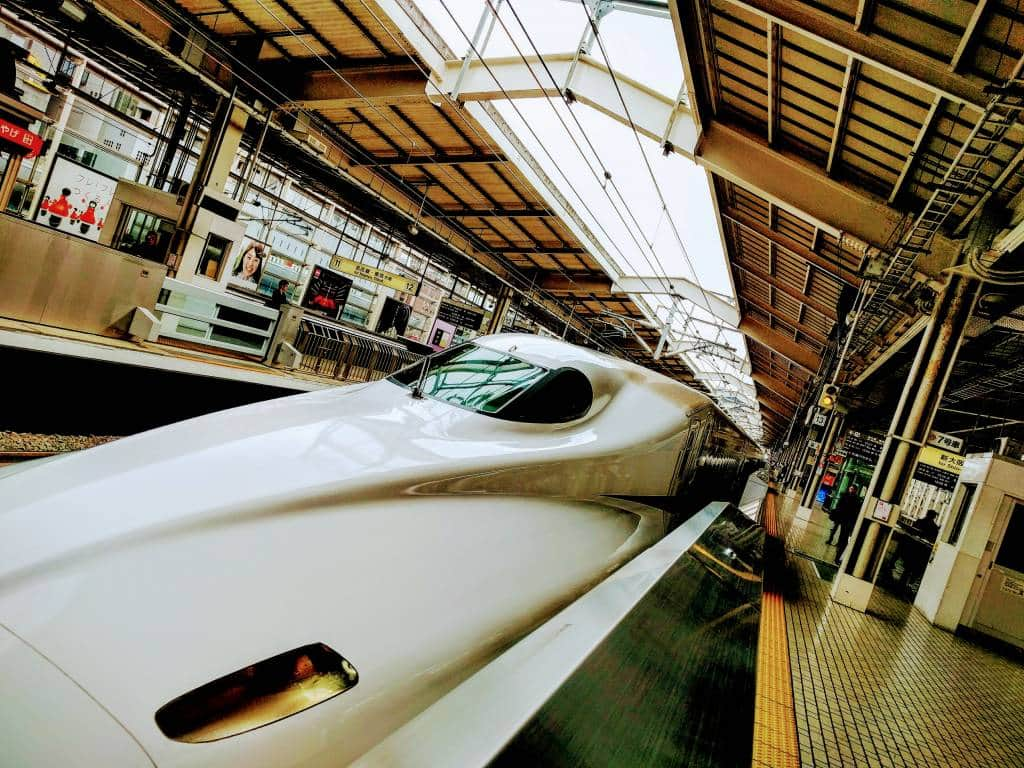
(960, 179)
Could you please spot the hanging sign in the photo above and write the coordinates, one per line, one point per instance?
(374, 275)
(946, 442)
(865, 448)
(22, 138)
(460, 315)
(939, 468)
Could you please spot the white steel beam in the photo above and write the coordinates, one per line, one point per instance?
(720, 306)
(526, 78)
(968, 35)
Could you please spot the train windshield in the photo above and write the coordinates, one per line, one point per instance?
(473, 377)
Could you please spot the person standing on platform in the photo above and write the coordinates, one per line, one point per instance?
(927, 528)
(845, 514)
(280, 295)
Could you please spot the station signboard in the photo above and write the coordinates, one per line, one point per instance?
(29, 143)
(864, 448)
(460, 315)
(374, 275)
(946, 442)
(938, 468)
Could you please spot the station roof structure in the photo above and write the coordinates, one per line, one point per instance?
(849, 147)
(848, 139)
(349, 87)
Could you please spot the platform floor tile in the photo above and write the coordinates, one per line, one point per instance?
(887, 688)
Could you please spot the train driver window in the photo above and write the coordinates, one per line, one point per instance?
(564, 394)
(500, 385)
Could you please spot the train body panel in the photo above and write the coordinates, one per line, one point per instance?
(418, 537)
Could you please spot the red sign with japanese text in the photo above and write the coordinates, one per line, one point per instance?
(22, 137)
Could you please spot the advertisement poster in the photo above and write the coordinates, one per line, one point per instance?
(247, 268)
(441, 335)
(76, 200)
(327, 292)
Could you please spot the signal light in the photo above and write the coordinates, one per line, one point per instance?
(829, 397)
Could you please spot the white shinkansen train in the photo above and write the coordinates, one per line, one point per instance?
(290, 582)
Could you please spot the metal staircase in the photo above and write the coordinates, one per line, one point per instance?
(961, 179)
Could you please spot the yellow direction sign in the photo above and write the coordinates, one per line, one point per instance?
(374, 275)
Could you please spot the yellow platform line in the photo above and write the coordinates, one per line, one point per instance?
(775, 739)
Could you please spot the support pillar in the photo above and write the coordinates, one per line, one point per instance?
(184, 108)
(829, 433)
(59, 110)
(911, 423)
(9, 179)
(212, 170)
(501, 306)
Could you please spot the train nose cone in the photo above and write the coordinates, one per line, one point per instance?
(46, 719)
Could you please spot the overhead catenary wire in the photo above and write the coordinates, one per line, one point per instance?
(555, 164)
(583, 132)
(650, 171)
(664, 206)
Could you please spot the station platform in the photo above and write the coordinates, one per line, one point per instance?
(884, 688)
(21, 335)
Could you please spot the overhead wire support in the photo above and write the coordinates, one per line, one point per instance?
(536, 138)
(607, 176)
(636, 136)
(604, 6)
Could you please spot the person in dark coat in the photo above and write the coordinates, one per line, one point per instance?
(280, 295)
(846, 512)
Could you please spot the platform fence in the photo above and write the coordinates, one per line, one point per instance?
(347, 355)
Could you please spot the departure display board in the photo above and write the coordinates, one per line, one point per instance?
(460, 315)
(865, 448)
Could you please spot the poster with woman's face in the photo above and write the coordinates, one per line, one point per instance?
(76, 199)
(249, 263)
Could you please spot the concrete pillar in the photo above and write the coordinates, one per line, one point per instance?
(501, 306)
(285, 333)
(911, 423)
(212, 171)
(59, 110)
(224, 157)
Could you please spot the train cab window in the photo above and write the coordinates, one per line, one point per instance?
(564, 394)
(500, 385)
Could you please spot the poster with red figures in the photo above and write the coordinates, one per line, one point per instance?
(76, 199)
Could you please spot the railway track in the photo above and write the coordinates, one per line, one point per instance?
(16, 447)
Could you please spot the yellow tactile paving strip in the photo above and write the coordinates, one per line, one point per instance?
(887, 688)
(775, 739)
